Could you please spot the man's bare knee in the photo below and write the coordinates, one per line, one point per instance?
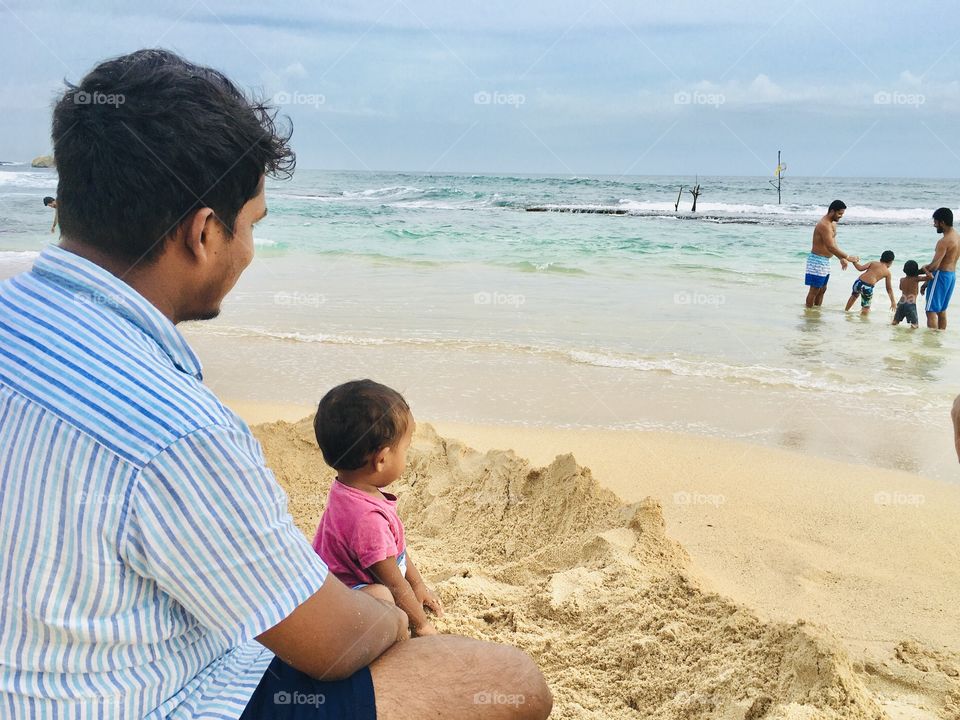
(471, 679)
(538, 700)
(521, 681)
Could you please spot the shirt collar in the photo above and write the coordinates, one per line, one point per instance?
(85, 278)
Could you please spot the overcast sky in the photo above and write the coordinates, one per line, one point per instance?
(587, 87)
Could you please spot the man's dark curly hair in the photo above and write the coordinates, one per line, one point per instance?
(147, 138)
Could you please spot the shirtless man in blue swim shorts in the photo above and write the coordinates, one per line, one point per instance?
(824, 247)
(943, 267)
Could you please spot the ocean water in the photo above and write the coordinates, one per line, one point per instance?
(603, 308)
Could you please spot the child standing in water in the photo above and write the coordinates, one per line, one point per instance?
(873, 272)
(910, 289)
(364, 430)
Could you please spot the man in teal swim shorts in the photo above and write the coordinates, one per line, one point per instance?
(824, 247)
(943, 267)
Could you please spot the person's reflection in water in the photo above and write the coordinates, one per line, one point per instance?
(808, 344)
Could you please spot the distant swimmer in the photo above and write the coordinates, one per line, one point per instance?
(52, 203)
(943, 267)
(824, 246)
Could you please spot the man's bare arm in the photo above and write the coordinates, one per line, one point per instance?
(939, 253)
(335, 632)
(844, 258)
(830, 243)
(893, 301)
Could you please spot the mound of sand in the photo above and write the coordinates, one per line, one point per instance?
(549, 561)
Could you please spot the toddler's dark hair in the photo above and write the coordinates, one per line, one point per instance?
(356, 419)
(911, 269)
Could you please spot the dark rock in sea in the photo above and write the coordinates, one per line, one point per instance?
(585, 210)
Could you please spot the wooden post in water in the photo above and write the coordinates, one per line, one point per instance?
(779, 181)
(676, 205)
(696, 193)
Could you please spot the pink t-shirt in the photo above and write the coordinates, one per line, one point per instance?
(356, 531)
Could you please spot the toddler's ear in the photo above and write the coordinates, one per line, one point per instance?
(379, 458)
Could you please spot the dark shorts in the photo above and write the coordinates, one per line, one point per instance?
(906, 311)
(285, 693)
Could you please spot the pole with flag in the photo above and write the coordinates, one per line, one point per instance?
(778, 174)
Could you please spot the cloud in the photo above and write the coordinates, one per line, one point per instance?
(908, 78)
(294, 70)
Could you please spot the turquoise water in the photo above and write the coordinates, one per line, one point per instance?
(686, 321)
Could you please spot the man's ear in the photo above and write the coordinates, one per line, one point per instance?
(194, 230)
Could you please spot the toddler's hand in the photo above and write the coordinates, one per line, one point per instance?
(425, 630)
(428, 598)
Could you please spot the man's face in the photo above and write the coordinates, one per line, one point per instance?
(939, 226)
(227, 257)
(837, 214)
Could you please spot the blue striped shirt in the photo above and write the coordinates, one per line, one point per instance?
(143, 541)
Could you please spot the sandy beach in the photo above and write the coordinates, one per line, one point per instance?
(658, 575)
(641, 312)
(681, 511)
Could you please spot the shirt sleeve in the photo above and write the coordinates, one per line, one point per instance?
(373, 539)
(209, 524)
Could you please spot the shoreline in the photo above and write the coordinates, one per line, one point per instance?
(862, 551)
